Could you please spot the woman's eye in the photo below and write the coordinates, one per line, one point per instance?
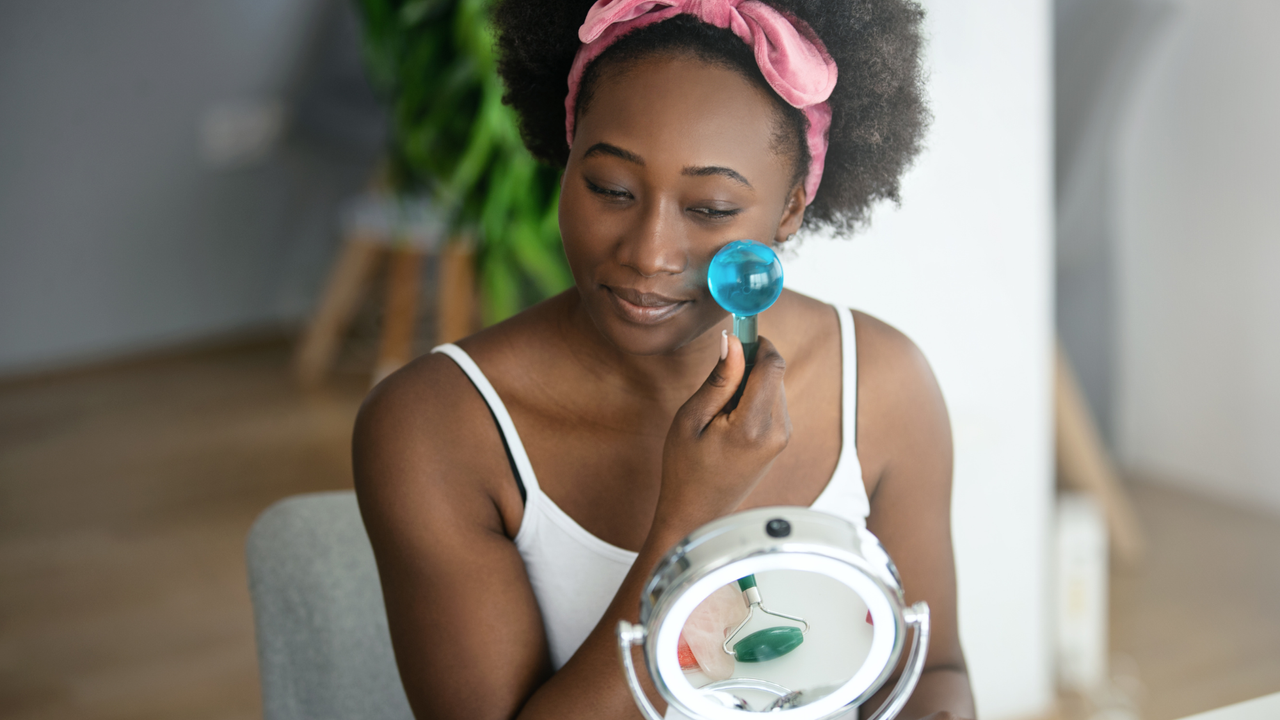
(715, 213)
(607, 192)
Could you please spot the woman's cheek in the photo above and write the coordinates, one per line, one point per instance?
(585, 233)
(572, 229)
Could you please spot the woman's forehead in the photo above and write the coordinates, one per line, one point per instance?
(683, 112)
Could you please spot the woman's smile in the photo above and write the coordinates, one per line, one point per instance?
(643, 308)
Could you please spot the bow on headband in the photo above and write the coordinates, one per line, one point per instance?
(791, 57)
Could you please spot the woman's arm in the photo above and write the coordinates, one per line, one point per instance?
(429, 473)
(464, 622)
(904, 441)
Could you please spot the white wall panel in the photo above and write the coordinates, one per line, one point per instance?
(964, 268)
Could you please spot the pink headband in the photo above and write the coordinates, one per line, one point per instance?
(791, 57)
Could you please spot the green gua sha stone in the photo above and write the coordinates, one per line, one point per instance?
(768, 644)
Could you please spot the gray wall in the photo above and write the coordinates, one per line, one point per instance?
(116, 235)
(1198, 258)
(1102, 49)
(1168, 235)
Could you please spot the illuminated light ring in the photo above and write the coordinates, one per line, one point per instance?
(884, 632)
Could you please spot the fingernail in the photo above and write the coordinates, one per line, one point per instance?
(724, 344)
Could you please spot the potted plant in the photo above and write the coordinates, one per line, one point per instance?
(454, 139)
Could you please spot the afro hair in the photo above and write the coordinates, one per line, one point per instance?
(878, 107)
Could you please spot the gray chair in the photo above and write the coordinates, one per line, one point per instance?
(323, 648)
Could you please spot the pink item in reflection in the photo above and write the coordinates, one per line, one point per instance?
(707, 627)
(791, 57)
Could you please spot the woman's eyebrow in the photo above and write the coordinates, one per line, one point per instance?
(706, 170)
(601, 148)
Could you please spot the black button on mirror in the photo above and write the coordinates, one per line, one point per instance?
(778, 528)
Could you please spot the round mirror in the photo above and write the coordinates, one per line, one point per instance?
(782, 610)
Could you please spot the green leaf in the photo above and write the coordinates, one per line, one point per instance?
(494, 216)
(544, 265)
(435, 61)
(415, 11)
(485, 132)
(500, 286)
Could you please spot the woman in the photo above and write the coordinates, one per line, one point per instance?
(519, 487)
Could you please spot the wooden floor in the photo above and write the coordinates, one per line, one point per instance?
(125, 497)
(126, 494)
(1198, 623)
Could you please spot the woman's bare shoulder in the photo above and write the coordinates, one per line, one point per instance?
(901, 411)
(428, 399)
(426, 432)
(434, 399)
(432, 404)
(804, 327)
(883, 348)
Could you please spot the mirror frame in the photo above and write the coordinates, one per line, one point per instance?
(775, 538)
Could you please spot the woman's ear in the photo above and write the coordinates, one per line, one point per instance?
(792, 214)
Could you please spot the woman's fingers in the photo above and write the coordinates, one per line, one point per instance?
(762, 412)
(703, 406)
(713, 457)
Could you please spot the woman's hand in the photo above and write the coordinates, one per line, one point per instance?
(713, 458)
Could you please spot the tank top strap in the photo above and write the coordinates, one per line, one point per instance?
(510, 438)
(846, 494)
(849, 378)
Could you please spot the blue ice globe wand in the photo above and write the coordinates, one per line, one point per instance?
(745, 278)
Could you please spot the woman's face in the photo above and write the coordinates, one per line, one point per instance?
(673, 159)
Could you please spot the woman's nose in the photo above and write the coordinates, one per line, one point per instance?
(656, 245)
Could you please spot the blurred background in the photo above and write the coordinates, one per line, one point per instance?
(220, 222)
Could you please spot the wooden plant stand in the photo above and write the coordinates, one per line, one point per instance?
(1084, 463)
(404, 233)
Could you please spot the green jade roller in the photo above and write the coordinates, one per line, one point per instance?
(745, 278)
(764, 644)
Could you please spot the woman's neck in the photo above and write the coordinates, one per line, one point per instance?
(667, 379)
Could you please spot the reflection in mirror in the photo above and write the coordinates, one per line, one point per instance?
(775, 639)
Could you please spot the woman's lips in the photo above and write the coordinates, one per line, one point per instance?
(643, 308)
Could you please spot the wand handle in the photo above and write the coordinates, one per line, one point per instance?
(745, 329)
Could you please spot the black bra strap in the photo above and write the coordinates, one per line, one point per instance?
(511, 460)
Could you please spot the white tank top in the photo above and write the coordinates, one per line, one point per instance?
(575, 574)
